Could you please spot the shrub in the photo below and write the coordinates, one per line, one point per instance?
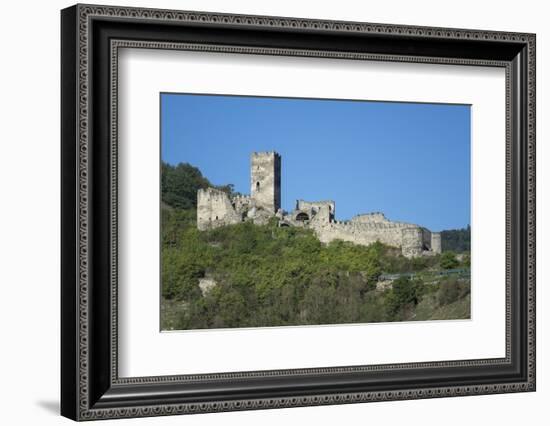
(404, 293)
(448, 260)
(449, 291)
(271, 276)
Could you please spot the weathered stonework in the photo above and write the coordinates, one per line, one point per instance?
(215, 208)
(265, 180)
(436, 242)
(206, 284)
(374, 217)
(412, 241)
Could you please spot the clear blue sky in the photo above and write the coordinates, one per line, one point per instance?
(408, 160)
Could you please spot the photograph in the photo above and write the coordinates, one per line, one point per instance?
(280, 211)
(274, 208)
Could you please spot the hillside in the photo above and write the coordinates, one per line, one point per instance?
(271, 276)
(247, 275)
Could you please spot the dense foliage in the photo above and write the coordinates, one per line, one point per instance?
(449, 260)
(271, 276)
(457, 240)
(179, 185)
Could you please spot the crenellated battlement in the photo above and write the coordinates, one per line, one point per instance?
(371, 225)
(210, 194)
(210, 191)
(265, 154)
(374, 217)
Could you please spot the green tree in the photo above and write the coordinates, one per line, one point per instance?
(457, 240)
(449, 291)
(405, 292)
(448, 260)
(180, 183)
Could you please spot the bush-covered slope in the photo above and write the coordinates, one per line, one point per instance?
(271, 276)
(457, 240)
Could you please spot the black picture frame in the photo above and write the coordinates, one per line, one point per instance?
(90, 386)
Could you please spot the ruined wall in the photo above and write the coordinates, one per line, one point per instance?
(361, 233)
(214, 209)
(243, 205)
(265, 180)
(413, 241)
(436, 242)
(397, 234)
(323, 216)
(426, 239)
(375, 217)
(315, 206)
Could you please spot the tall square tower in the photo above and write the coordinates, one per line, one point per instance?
(265, 180)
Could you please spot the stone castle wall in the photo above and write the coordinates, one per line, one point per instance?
(315, 205)
(214, 209)
(436, 242)
(375, 217)
(412, 242)
(409, 237)
(324, 215)
(359, 233)
(244, 205)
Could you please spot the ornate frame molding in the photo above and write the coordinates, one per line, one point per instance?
(78, 57)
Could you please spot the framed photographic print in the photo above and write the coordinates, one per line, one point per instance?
(263, 212)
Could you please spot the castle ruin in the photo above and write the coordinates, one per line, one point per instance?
(215, 208)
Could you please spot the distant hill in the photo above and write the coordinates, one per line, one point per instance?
(179, 185)
(457, 240)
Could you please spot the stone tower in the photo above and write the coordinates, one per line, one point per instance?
(411, 241)
(436, 242)
(265, 180)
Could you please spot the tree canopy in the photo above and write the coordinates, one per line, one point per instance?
(180, 183)
(457, 240)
